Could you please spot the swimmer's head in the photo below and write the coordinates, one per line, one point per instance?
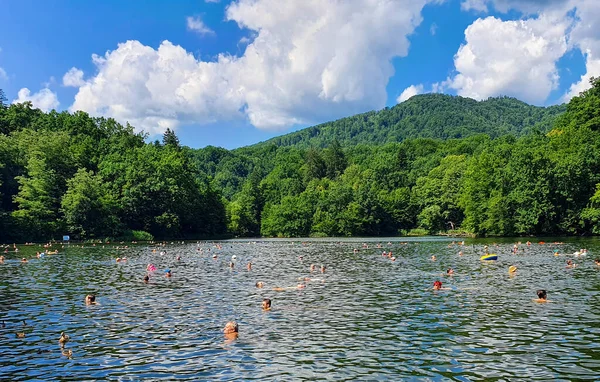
(541, 293)
(266, 304)
(597, 261)
(146, 278)
(512, 269)
(231, 327)
(259, 284)
(437, 284)
(450, 271)
(90, 299)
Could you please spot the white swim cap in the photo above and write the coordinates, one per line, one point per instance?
(234, 257)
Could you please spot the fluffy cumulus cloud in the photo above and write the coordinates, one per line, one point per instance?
(195, 24)
(308, 61)
(583, 32)
(410, 91)
(74, 78)
(586, 36)
(45, 99)
(515, 58)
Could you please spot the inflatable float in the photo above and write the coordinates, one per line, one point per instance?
(489, 257)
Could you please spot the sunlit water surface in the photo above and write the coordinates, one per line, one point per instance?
(365, 318)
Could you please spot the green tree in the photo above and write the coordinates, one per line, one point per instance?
(88, 208)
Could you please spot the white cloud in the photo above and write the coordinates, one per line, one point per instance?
(410, 91)
(309, 61)
(515, 58)
(44, 100)
(74, 78)
(592, 65)
(584, 35)
(211, 1)
(475, 5)
(525, 6)
(196, 24)
(3, 75)
(433, 29)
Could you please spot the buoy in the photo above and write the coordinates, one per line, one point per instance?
(489, 257)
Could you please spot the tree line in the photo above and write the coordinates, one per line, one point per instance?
(93, 178)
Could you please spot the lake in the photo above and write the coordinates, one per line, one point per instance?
(365, 318)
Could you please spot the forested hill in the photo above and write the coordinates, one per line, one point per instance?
(427, 116)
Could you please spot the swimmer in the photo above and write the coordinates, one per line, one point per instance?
(90, 299)
(178, 258)
(300, 258)
(450, 271)
(570, 264)
(231, 264)
(460, 253)
(214, 256)
(249, 266)
(146, 279)
(168, 273)
(260, 284)
(437, 285)
(1, 259)
(393, 258)
(542, 296)
(512, 270)
(231, 330)
(23, 260)
(38, 255)
(312, 267)
(322, 269)
(433, 257)
(266, 304)
(118, 260)
(597, 261)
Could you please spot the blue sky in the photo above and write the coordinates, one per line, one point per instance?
(233, 73)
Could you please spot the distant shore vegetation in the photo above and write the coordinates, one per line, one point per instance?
(434, 164)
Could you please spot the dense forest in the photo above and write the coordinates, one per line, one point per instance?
(428, 116)
(433, 163)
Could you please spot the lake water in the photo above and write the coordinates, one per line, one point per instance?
(365, 318)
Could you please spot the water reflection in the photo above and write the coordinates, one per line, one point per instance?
(365, 317)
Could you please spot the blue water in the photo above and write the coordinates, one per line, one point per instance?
(365, 318)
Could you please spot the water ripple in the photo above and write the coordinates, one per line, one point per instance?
(365, 318)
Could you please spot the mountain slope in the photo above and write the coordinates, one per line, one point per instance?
(427, 116)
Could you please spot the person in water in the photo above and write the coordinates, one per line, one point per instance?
(542, 296)
(437, 285)
(570, 264)
(168, 273)
(433, 257)
(597, 261)
(146, 279)
(260, 284)
(266, 304)
(249, 266)
(231, 329)
(23, 260)
(90, 299)
(512, 270)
